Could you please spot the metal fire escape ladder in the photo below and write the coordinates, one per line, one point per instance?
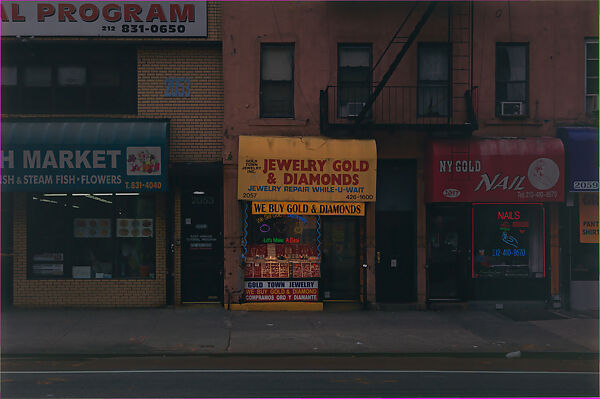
(411, 38)
(396, 39)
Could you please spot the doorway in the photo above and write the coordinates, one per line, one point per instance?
(395, 231)
(340, 267)
(449, 252)
(201, 244)
(395, 262)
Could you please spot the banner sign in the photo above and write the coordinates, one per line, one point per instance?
(495, 170)
(89, 157)
(289, 291)
(308, 208)
(306, 169)
(103, 18)
(588, 218)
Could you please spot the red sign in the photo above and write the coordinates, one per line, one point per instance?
(495, 170)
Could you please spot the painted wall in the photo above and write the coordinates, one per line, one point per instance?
(316, 29)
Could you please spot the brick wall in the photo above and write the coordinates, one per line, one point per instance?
(85, 293)
(195, 121)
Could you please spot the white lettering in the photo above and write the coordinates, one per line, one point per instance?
(98, 159)
(65, 159)
(113, 157)
(31, 160)
(10, 158)
(49, 160)
(445, 166)
(486, 179)
(81, 158)
(502, 183)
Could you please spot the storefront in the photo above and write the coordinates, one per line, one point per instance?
(581, 216)
(493, 218)
(88, 210)
(303, 207)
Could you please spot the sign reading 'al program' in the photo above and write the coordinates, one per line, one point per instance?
(102, 18)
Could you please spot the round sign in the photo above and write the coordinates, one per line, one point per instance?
(543, 173)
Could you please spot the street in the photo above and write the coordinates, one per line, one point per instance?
(298, 376)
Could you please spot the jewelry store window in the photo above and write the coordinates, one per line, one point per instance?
(281, 257)
(91, 236)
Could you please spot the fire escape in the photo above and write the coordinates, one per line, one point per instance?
(396, 107)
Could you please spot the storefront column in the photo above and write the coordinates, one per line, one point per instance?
(177, 247)
(554, 250)
(19, 247)
(370, 236)
(233, 286)
(421, 236)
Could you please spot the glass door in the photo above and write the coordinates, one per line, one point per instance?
(449, 252)
(202, 245)
(340, 277)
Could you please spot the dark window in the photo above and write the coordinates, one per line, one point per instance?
(512, 79)
(91, 236)
(591, 76)
(354, 78)
(69, 80)
(277, 81)
(434, 81)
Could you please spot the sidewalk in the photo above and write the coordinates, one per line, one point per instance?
(178, 331)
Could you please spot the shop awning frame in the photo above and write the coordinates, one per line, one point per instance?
(581, 153)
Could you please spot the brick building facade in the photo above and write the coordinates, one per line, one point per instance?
(194, 133)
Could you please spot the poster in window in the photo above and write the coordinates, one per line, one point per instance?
(588, 218)
(508, 241)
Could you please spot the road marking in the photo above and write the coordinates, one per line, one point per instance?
(232, 371)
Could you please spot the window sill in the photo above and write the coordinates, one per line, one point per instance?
(513, 122)
(278, 122)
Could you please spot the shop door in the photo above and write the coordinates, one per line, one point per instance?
(202, 245)
(395, 231)
(449, 252)
(395, 262)
(340, 267)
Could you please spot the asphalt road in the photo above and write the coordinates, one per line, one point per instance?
(281, 376)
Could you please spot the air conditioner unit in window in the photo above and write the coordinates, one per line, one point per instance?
(352, 109)
(511, 108)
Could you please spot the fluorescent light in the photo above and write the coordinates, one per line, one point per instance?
(198, 192)
(75, 206)
(47, 200)
(102, 194)
(55, 195)
(127, 194)
(90, 196)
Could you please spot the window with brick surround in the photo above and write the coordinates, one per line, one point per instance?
(591, 77)
(277, 81)
(512, 79)
(434, 79)
(91, 236)
(354, 78)
(69, 79)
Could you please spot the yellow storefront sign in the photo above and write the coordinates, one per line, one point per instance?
(308, 208)
(588, 218)
(306, 169)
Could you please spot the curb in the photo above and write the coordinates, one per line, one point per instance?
(464, 355)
